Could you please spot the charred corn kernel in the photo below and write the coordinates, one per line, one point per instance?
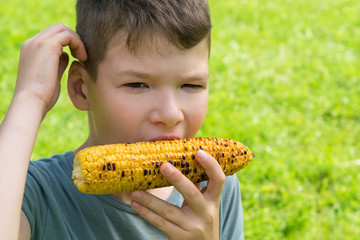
(127, 167)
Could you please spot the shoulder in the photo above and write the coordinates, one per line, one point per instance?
(56, 161)
(45, 171)
(48, 174)
(59, 165)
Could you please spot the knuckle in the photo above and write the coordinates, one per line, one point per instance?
(167, 211)
(222, 178)
(40, 42)
(31, 44)
(198, 229)
(145, 199)
(160, 222)
(35, 42)
(25, 44)
(210, 218)
(210, 215)
(59, 26)
(192, 193)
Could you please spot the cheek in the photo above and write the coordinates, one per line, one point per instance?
(196, 113)
(202, 112)
(114, 120)
(104, 123)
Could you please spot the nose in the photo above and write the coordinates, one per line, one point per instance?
(167, 109)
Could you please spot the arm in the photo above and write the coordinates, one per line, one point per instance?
(42, 63)
(198, 218)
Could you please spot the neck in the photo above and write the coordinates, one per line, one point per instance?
(84, 145)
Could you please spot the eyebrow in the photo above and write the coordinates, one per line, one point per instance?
(134, 73)
(193, 76)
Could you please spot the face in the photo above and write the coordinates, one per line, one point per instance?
(159, 92)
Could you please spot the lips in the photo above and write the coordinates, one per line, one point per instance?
(163, 138)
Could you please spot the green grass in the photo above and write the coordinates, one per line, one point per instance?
(285, 80)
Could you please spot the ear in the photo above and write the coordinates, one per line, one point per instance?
(78, 80)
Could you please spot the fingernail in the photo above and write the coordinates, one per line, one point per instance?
(167, 169)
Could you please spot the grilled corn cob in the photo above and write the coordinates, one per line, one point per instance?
(126, 167)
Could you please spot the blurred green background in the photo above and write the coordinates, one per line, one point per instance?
(285, 80)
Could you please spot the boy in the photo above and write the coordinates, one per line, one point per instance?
(144, 78)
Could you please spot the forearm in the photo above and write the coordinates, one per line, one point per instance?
(18, 132)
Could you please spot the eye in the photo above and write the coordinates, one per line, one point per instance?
(136, 85)
(192, 86)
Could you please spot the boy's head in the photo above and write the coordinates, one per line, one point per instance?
(183, 23)
(150, 62)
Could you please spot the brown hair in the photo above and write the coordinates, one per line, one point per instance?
(184, 23)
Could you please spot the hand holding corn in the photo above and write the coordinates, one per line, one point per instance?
(127, 167)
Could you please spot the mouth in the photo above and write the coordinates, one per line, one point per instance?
(163, 138)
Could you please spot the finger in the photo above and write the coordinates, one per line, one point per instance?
(66, 37)
(72, 39)
(77, 47)
(49, 31)
(161, 214)
(191, 193)
(214, 172)
(59, 33)
(198, 185)
(63, 63)
(52, 31)
(162, 208)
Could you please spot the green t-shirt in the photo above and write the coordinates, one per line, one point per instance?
(57, 210)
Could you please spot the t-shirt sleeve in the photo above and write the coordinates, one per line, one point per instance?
(231, 212)
(34, 201)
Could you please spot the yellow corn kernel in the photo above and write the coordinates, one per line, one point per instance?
(127, 167)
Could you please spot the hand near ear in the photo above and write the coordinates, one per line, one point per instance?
(43, 62)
